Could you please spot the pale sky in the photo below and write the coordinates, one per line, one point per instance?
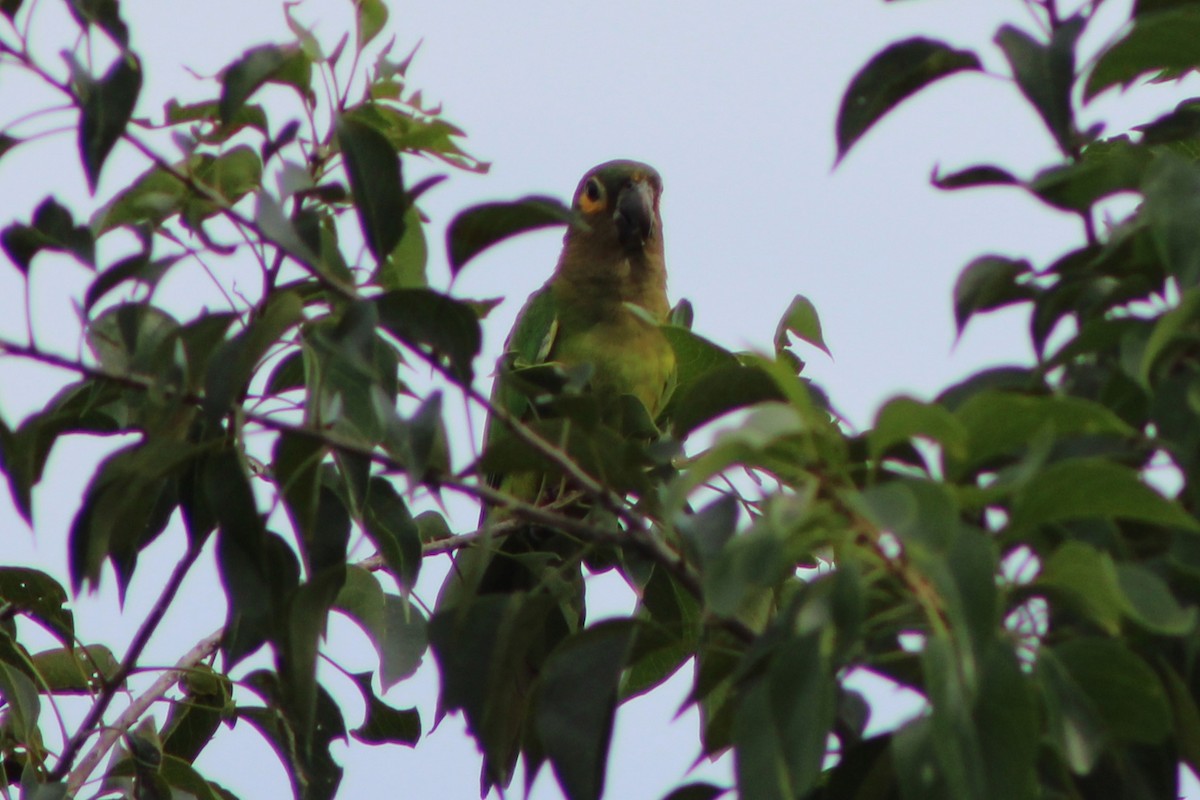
(735, 105)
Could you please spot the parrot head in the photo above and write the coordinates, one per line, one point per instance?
(619, 202)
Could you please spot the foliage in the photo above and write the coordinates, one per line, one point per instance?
(1010, 550)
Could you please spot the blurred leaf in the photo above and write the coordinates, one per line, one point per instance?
(134, 268)
(105, 108)
(370, 17)
(182, 776)
(696, 791)
(76, 670)
(981, 175)
(800, 319)
(705, 533)
(1150, 603)
(479, 227)
(1172, 191)
(719, 391)
(988, 283)
(373, 166)
(1045, 73)
(257, 66)
(1088, 579)
(34, 593)
(1088, 488)
(384, 724)
(22, 705)
(1126, 693)
(576, 704)
(1156, 42)
(404, 268)
(396, 628)
(391, 528)
(903, 418)
(1107, 167)
(52, 228)
(422, 318)
(895, 73)
(1172, 328)
(104, 13)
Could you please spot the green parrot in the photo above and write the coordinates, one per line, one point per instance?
(598, 315)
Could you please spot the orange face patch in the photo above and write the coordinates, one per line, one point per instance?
(592, 196)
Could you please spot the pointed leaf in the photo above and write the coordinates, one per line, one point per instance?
(1045, 73)
(897, 72)
(800, 319)
(479, 227)
(988, 283)
(106, 106)
(373, 166)
(382, 723)
(1167, 40)
(52, 228)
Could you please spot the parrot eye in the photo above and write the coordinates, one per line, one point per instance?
(591, 199)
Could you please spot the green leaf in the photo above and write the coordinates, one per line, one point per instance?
(382, 723)
(800, 319)
(971, 177)
(391, 528)
(396, 628)
(1125, 691)
(1009, 721)
(479, 227)
(719, 391)
(903, 418)
(35, 594)
(1087, 579)
(181, 775)
(430, 321)
(105, 108)
(370, 17)
(1072, 720)
(696, 791)
(1083, 488)
(705, 533)
(1150, 603)
(22, 705)
(988, 283)
(373, 166)
(404, 268)
(9, 8)
(1106, 167)
(576, 704)
(1045, 73)
(694, 355)
(103, 13)
(895, 73)
(1005, 422)
(52, 228)
(1172, 191)
(76, 670)
(1168, 40)
(258, 66)
(1175, 327)
(135, 268)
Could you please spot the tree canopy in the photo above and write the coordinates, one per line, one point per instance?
(1022, 550)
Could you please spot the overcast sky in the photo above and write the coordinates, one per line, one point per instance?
(735, 105)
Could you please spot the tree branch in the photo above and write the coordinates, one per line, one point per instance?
(130, 716)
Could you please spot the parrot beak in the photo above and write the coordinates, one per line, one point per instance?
(635, 215)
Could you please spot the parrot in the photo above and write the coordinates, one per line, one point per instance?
(599, 316)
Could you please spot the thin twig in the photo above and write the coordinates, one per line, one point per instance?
(138, 707)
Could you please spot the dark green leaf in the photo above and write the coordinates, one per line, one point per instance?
(393, 531)
(256, 67)
(1168, 40)
(1085, 578)
(479, 227)
(902, 418)
(404, 268)
(1124, 690)
(105, 108)
(719, 391)
(982, 175)
(22, 705)
(52, 228)
(1107, 167)
(427, 320)
(76, 670)
(384, 724)
(1172, 190)
(1045, 73)
(34, 593)
(373, 166)
(988, 283)
(706, 532)
(897, 72)
(396, 628)
(576, 704)
(9, 8)
(135, 268)
(104, 13)
(696, 791)
(1095, 489)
